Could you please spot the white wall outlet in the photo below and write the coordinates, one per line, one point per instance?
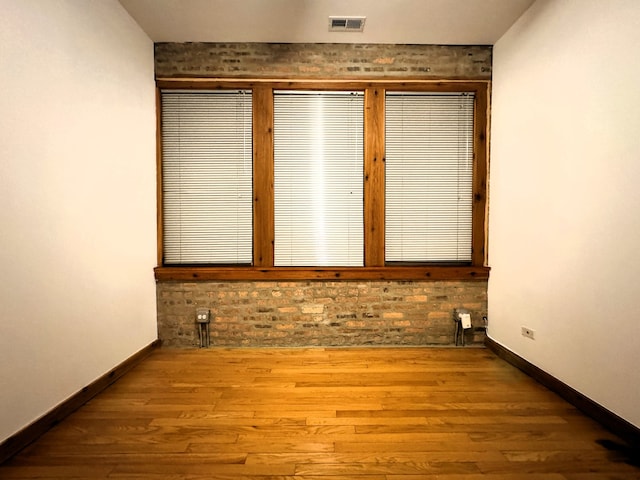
(202, 315)
(527, 332)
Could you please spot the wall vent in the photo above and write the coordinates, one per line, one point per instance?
(346, 24)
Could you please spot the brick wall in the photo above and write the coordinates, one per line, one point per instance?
(344, 313)
(304, 60)
(319, 312)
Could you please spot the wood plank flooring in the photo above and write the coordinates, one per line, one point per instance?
(324, 414)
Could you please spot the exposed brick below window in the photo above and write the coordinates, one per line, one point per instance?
(318, 313)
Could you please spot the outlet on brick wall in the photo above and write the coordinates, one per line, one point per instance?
(346, 313)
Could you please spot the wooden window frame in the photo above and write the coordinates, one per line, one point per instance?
(374, 186)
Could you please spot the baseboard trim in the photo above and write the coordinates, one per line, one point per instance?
(18, 441)
(605, 417)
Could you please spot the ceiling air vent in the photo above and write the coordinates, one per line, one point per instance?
(346, 24)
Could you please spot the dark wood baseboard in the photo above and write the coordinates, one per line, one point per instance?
(33, 431)
(606, 418)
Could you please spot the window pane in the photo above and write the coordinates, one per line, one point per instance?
(318, 184)
(207, 177)
(429, 173)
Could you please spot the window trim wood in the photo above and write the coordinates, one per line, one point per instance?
(263, 171)
(412, 273)
(374, 215)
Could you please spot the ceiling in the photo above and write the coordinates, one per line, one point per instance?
(443, 22)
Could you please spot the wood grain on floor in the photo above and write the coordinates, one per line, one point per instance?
(324, 414)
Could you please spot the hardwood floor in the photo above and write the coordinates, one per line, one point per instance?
(324, 414)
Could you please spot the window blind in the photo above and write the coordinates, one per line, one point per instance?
(318, 178)
(429, 173)
(207, 177)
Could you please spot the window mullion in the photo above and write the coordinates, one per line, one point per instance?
(374, 177)
(263, 226)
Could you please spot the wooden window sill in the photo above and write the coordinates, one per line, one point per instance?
(432, 273)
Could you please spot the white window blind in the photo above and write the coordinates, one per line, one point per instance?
(429, 173)
(207, 177)
(318, 183)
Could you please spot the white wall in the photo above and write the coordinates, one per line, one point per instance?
(565, 196)
(77, 197)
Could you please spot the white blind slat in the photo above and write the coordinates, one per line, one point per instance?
(429, 172)
(318, 184)
(207, 177)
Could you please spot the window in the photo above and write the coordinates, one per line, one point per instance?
(322, 180)
(207, 177)
(429, 176)
(318, 178)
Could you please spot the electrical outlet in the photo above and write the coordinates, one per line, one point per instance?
(202, 315)
(527, 332)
